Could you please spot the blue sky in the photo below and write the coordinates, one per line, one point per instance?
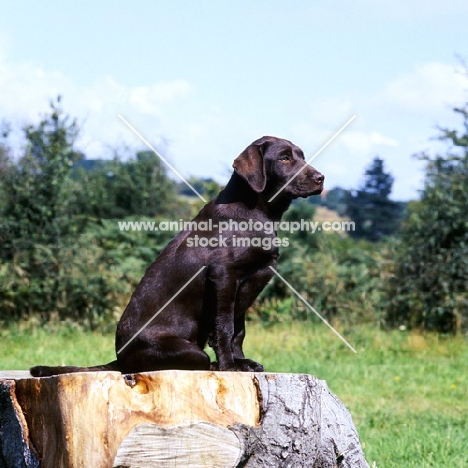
(203, 79)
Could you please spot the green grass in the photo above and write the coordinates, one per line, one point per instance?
(23, 347)
(407, 393)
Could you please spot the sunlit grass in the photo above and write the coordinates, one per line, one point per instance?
(24, 346)
(407, 393)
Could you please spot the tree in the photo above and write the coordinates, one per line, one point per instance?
(205, 186)
(38, 189)
(116, 188)
(374, 214)
(5, 163)
(46, 269)
(430, 286)
(335, 200)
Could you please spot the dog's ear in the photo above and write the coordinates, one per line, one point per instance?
(251, 167)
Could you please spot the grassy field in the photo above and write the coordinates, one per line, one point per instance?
(408, 394)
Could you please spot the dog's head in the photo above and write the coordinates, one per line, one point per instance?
(270, 164)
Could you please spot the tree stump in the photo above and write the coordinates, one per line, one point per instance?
(174, 418)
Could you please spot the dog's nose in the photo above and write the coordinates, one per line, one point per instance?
(319, 178)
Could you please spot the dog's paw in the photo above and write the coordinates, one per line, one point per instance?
(248, 365)
(257, 367)
(234, 366)
(239, 365)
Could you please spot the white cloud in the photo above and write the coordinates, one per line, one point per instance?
(207, 146)
(344, 159)
(361, 142)
(395, 122)
(149, 98)
(96, 107)
(430, 88)
(196, 141)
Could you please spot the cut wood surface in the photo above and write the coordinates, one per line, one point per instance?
(173, 418)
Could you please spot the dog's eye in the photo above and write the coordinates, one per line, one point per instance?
(285, 158)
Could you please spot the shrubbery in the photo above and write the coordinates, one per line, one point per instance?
(340, 277)
(61, 260)
(64, 259)
(430, 286)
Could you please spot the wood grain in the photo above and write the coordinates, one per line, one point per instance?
(174, 419)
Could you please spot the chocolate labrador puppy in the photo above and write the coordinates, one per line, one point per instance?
(199, 288)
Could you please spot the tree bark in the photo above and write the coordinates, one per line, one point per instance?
(174, 418)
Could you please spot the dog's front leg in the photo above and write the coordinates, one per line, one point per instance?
(222, 286)
(247, 292)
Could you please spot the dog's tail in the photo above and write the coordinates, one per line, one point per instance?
(47, 371)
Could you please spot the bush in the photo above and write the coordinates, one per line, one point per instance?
(62, 284)
(430, 286)
(341, 278)
(89, 283)
(60, 262)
